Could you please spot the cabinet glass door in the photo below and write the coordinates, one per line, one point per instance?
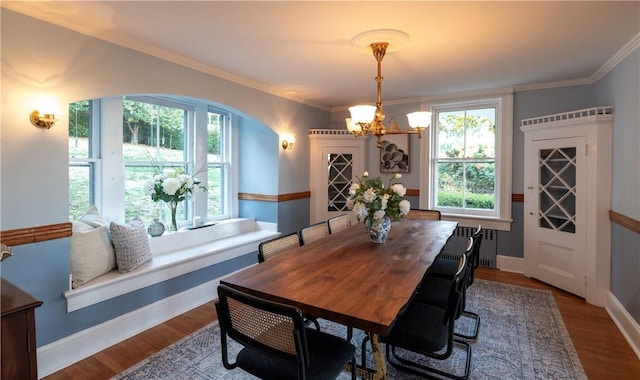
(557, 189)
(339, 180)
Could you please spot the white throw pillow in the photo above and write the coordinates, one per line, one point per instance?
(91, 253)
(131, 244)
(93, 218)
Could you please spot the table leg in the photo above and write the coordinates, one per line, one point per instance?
(380, 371)
(378, 357)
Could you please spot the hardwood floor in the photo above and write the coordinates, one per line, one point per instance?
(602, 349)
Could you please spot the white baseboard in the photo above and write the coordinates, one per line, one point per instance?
(625, 322)
(510, 264)
(66, 351)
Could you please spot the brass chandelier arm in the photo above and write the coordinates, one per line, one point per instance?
(368, 120)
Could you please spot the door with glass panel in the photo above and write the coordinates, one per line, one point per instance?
(335, 161)
(341, 167)
(555, 200)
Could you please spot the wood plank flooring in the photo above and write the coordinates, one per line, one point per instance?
(602, 349)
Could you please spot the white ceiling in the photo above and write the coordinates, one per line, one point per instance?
(301, 50)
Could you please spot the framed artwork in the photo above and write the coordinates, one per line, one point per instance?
(394, 154)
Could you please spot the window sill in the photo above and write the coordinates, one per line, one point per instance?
(172, 258)
(474, 221)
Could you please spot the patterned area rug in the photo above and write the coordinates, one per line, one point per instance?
(522, 336)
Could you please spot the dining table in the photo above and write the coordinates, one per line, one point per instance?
(347, 279)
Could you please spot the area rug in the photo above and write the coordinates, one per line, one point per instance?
(522, 336)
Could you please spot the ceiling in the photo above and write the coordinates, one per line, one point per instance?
(301, 49)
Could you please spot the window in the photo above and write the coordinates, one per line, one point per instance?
(217, 164)
(470, 160)
(154, 136)
(464, 159)
(84, 159)
(142, 133)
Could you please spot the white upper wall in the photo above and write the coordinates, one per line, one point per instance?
(43, 60)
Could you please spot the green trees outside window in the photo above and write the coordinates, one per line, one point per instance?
(155, 131)
(465, 159)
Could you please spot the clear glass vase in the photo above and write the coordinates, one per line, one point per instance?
(174, 208)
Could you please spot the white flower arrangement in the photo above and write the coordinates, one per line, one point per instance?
(172, 186)
(370, 200)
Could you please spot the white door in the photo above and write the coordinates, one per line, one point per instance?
(555, 201)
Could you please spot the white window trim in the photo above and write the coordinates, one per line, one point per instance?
(503, 164)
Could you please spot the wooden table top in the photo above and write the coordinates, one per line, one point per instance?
(346, 278)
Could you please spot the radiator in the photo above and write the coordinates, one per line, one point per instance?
(458, 243)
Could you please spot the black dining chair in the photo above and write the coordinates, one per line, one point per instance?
(429, 330)
(477, 241)
(432, 290)
(273, 247)
(447, 267)
(275, 343)
(423, 214)
(314, 232)
(339, 223)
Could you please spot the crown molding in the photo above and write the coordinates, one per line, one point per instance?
(623, 53)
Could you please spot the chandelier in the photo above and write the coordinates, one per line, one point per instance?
(369, 120)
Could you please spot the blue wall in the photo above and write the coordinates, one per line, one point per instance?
(621, 89)
(45, 282)
(258, 160)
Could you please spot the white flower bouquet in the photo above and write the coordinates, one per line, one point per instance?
(172, 187)
(370, 200)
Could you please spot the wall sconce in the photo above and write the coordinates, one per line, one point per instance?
(6, 252)
(288, 142)
(45, 121)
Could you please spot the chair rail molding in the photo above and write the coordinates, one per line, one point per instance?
(625, 221)
(35, 234)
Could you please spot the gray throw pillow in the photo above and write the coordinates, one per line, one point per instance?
(131, 244)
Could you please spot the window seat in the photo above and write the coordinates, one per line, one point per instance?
(176, 254)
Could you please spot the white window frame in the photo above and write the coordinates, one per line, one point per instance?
(229, 188)
(108, 160)
(501, 218)
(94, 159)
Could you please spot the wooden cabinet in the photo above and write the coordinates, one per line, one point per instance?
(567, 184)
(18, 330)
(336, 157)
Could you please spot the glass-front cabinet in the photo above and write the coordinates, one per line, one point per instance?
(336, 156)
(567, 197)
(340, 167)
(557, 189)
